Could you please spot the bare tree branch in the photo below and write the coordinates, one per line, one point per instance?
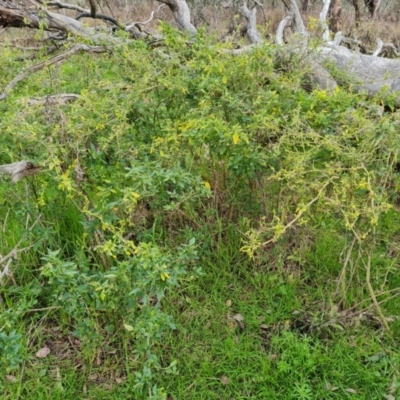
(18, 17)
(382, 46)
(251, 17)
(281, 29)
(324, 22)
(67, 6)
(55, 60)
(60, 99)
(300, 28)
(379, 48)
(149, 20)
(88, 14)
(181, 12)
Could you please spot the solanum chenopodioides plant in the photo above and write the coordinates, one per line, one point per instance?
(332, 169)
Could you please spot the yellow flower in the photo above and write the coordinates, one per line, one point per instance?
(164, 276)
(235, 138)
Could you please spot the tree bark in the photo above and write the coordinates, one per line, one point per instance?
(335, 16)
(305, 5)
(357, 12)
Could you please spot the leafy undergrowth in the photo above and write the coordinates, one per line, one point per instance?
(203, 227)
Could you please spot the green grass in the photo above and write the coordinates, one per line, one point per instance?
(285, 348)
(292, 343)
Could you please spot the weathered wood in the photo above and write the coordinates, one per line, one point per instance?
(15, 16)
(181, 13)
(20, 169)
(370, 73)
(251, 17)
(59, 99)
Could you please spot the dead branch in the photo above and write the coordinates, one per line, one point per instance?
(15, 16)
(281, 29)
(6, 269)
(372, 293)
(376, 9)
(251, 17)
(55, 60)
(300, 28)
(131, 24)
(84, 13)
(370, 73)
(59, 99)
(20, 169)
(322, 19)
(339, 38)
(67, 6)
(181, 12)
(381, 46)
(88, 14)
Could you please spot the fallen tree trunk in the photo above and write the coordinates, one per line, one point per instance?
(368, 73)
(15, 16)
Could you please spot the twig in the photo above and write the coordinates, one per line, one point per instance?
(379, 302)
(10, 256)
(43, 309)
(67, 6)
(132, 24)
